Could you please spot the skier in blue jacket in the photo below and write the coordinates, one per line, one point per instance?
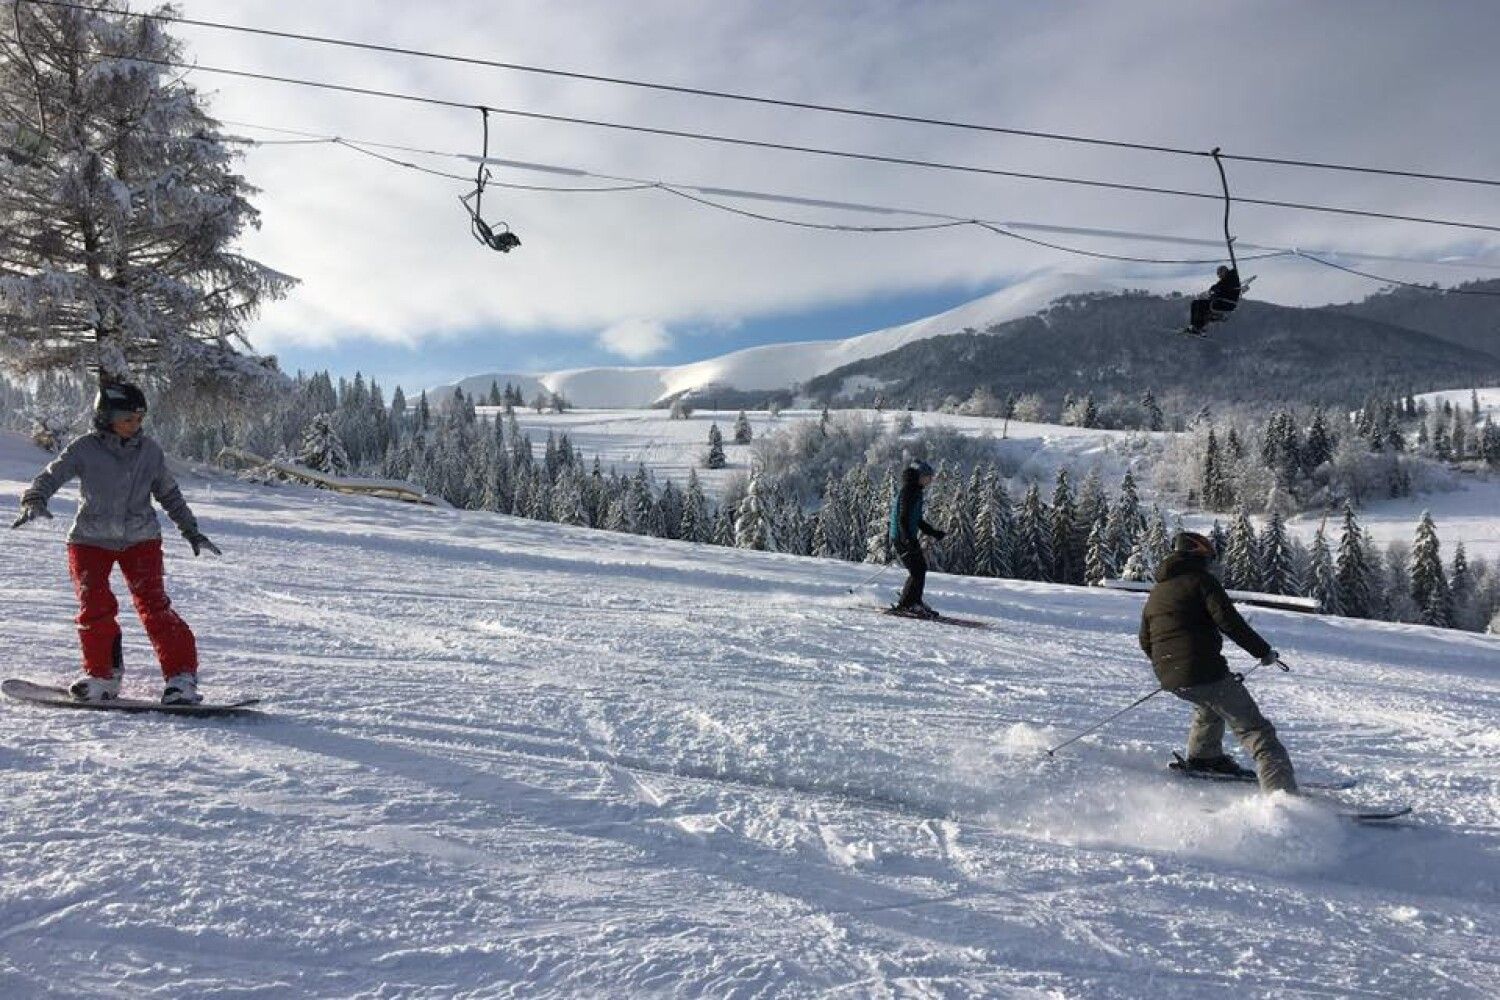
(907, 527)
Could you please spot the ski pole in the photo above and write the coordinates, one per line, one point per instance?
(1142, 700)
(878, 573)
(1104, 722)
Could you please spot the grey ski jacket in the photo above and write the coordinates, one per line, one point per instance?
(116, 480)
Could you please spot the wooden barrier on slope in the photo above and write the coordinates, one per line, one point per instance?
(1281, 602)
(390, 489)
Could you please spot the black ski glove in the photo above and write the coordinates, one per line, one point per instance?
(199, 541)
(30, 512)
(938, 534)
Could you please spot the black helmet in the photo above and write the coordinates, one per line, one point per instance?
(1190, 543)
(920, 467)
(114, 401)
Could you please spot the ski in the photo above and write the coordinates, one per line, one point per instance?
(57, 697)
(1374, 815)
(940, 620)
(1177, 767)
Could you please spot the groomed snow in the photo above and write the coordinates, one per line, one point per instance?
(510, 758)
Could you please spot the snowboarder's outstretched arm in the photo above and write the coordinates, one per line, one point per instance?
(1230, 622)
(167, 493)
(51, 479)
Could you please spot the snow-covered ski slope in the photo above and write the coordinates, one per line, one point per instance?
(781, 366)
(504, 758)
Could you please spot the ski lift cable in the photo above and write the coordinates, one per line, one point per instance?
(783, 102)
(809, 150)
(1006, 228)
(1393, 281)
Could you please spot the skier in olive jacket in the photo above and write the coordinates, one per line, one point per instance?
(906, 523)
(1180, 632)
(119, 470)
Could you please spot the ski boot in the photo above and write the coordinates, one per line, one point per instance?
(90, 688)
(926, 611)
(1221, 766)
(181, 689)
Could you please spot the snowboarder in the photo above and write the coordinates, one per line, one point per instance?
(906, 523)
(1180, 632)
(1222, 298)
(119, 470)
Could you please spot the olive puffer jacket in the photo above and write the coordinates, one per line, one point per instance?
(1182, 622)
(117, 478)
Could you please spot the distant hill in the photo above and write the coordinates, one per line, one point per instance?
(1471, 321)
(759, 371)
(1067, 333)
(1123, 343)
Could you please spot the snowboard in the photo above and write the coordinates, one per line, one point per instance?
(1178, 767)
(940, 620)
(58, 697)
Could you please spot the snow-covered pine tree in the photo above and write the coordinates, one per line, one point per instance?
(118, 244)
(1277, 572)
(1096, 568)
(695, 524)
(742, 431)
(1093, 505)
(1156, 542)
(875, 517)
(1033, 558)
(828, 522)
(1320, 443)
(568, 506)
(1323, 581)
(1241, 560)
(1214, 483)
(995, 528)
(1429, 585)
(321, 450)
(1067, 555)
(955, 515)
(752, 523)
(1125, 521)
(640, 502)
(1353, 569)
(1461, 590)
(715, 458)
(1154, 419)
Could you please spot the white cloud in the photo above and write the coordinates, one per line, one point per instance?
(385, 252)
(636, 339)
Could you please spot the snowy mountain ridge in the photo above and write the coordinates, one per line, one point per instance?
(779, 366)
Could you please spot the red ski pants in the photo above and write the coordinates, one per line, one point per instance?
(99, 633)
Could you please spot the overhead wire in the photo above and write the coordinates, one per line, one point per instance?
(786, 103)
(810, 150)
(1006, 229)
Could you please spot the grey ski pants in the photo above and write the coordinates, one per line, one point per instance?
(1228, 702)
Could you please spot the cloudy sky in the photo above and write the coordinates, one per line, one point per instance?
(393, 284)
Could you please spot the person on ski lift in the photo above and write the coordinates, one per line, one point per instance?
(1181, 629)
(119, 469)
(1218, 303)
(907, 527)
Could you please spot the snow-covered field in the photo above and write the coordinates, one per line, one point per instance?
(1463, 399)
(670, 448)
(505, 758)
